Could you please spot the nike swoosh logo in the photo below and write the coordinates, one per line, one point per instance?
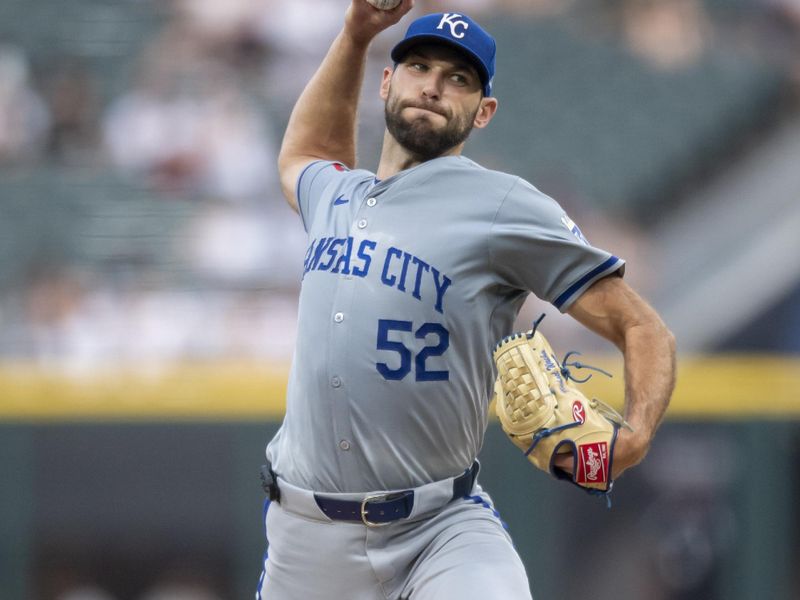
(341, 200)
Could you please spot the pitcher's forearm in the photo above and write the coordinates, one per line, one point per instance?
(323, 122)
(649, 376)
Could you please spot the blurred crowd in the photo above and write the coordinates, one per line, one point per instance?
(199, 120)
(213, 83)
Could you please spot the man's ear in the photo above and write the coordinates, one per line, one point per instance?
(385, 82)
(487, 110)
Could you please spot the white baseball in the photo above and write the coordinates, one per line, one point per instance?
(384, 4)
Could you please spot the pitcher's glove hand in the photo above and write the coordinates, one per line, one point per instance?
(546, 415)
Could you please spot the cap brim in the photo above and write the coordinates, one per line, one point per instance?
(402, 48)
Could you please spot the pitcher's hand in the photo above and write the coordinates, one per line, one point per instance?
(363, 21)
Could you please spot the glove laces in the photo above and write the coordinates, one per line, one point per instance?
(535, 325)
(543, 433)
(565, 365)
(575, 364)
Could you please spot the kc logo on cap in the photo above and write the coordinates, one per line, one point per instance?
(447, 19)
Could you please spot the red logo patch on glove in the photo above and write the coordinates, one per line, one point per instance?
(592, 463)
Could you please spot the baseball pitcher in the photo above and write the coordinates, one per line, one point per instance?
(412, 275)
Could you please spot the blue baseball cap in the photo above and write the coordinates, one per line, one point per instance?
(458, 31)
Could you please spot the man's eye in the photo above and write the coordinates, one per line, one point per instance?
(459, 79)
(417, 66)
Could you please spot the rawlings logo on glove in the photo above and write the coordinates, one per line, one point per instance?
(546, 415)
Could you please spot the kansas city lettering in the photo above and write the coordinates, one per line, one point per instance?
(336, 255)
(399, 269)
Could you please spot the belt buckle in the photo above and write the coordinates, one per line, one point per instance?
(364, 502)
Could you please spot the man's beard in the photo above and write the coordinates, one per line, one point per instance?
(419, 136)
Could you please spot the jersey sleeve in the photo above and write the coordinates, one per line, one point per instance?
(311, 185)
(535, 246)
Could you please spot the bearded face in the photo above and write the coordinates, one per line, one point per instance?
(420, 135)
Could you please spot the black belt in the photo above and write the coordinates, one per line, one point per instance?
(380, 509)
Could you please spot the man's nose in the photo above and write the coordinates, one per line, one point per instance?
(432, 86)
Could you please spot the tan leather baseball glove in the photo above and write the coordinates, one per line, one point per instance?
(545, 414)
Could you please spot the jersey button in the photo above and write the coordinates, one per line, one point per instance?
(371, 202)
(338, 317)
(362, 223)
(344, 445)
(335, 381)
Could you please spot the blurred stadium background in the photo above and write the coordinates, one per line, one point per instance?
(149, 271)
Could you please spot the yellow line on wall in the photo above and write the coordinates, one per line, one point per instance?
(213, 391)
(728, 387)
(713, 387)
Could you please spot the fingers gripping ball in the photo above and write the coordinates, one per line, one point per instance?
(384, 4)
(545, 414)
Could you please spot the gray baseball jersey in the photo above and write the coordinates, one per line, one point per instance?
(408, 284)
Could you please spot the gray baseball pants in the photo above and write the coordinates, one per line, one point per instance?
(460, 551)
